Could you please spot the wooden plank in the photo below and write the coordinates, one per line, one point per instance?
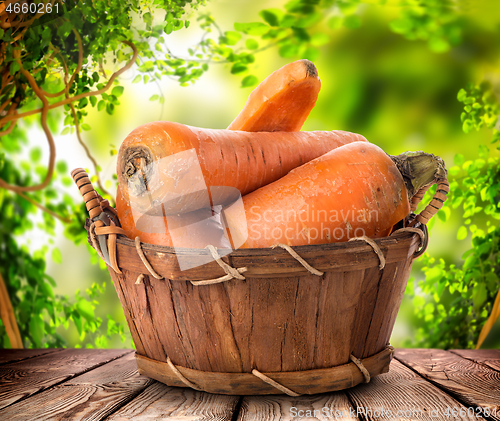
(327, 406)
(471, 383)
(488, 357)
(93, 395)
(406, 395)
(25, 378)
(13, 355)
(161, 402)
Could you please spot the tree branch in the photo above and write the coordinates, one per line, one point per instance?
(80, 96)
(48, 134)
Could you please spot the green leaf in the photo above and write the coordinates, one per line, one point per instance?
(438, 44)
(14, 67)
(148, 19)
(289, 50)
(484, 151)
(83, 103)
(462, 95)
(271, 16)
(238, 68)
(35, 154)
(37, 330)
(110, 108)
(232, 37)
(62, 167)
(101, 105)
(319, 39)
(154, 97)
(56, 255)
(250, 80)
(117, 91)
(85, 127)
(311, 54)
(288, 21)
(479, 296)
(65, 131)
(434, 274)
(309, 20)
(458, 159)
(401, 26)
(462, 233)
(251, 44)
(86, 310)
(137, 79)
(254, 28)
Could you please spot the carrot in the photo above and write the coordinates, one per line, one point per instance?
(165, 168)
(191, 230)
(282, 101)
(351, 191)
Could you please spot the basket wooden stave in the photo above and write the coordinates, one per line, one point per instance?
(203, 336)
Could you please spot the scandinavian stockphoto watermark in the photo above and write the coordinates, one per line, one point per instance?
(175, 191)
(408, 413)
(354, 413)
(303, 225)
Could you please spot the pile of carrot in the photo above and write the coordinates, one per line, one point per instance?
(260, 182)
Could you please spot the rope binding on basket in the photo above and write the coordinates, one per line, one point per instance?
(294, 254)
(142, 256)
(375, 248)
(266, 379)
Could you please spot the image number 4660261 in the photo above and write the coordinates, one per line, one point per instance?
(38, 12)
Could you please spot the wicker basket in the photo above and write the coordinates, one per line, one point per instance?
(266, 322)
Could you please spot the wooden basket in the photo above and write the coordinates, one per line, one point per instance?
(263, 323)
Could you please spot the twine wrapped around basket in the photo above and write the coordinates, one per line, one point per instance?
(301, 320)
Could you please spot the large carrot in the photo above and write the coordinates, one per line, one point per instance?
(351, 191)
(165, 168)
(282, 101)
(194, 229)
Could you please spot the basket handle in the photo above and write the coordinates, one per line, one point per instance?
(442, 189)
(91, 198)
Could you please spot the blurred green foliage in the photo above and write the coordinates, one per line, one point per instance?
(404, 73)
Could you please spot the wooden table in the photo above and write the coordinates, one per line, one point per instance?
(85, 384)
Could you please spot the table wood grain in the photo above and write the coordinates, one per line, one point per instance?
(103, 384)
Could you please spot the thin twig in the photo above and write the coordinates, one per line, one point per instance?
(87, 151)
(45, 209)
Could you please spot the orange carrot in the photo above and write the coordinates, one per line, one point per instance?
(282, 101)
(351, 191)
(165, 168)
(190, 230)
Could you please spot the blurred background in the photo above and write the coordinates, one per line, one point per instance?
(397, 89)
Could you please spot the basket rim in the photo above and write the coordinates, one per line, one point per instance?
(268, 251)
(266, 262)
